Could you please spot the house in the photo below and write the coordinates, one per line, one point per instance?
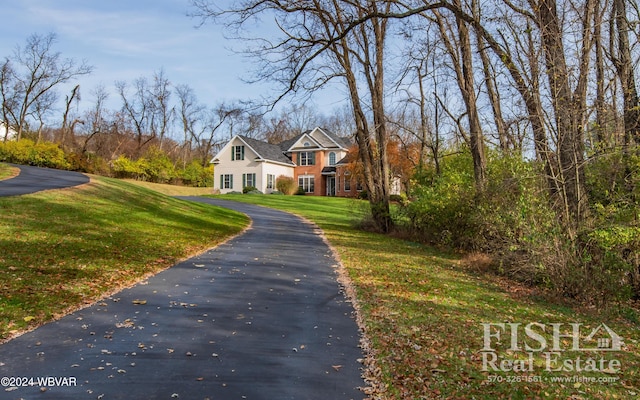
(311, 158)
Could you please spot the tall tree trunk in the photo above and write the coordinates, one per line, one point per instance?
(463, 67)
(601, 120)
(370, 59)
(379, 193)
(66, 126)
(569, 113)
(494, 97)
(625, 70)
(469, 95)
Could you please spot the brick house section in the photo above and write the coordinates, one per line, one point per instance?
(316, 153)
(314, 170)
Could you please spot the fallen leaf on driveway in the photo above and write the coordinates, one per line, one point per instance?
(336, 367)
(139, 302)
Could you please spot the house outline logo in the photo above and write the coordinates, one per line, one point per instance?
(609, 341)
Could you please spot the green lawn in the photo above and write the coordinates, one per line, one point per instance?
(64, 248)
(423, 310)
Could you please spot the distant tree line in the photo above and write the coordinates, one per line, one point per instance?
(161, 131)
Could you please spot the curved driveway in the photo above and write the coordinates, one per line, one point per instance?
(35, 179)
(259, 317)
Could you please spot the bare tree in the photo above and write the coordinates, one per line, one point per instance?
(493, 94)
(96, 121)
(567, 90)
(162, 113)
(138, 109)
(319, 43)
(67, 127)
(418, 113)
(29, 79)
(458, 45)
(192, 116)
(622, 60)
(209, 137)
(339, 121)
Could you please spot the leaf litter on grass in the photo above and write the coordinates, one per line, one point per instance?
(421, 312)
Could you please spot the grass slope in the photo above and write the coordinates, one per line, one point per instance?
(7, 171)
(64, 248)
(423, 312)
(172, 190)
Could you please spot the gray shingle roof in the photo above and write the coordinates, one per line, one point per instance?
(267, 151)
(275, 152)
(344, 142)
(284, 146)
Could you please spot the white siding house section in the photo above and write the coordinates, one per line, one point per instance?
(275, 170)
(228, 165)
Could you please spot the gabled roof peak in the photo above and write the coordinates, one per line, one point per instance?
(322, 138)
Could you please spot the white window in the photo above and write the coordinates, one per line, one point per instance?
(248, 180)
(307, 158)
(307, 183)
(271, 181)
(226, 181)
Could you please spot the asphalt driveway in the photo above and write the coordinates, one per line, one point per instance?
(260, 317)
(35, 179)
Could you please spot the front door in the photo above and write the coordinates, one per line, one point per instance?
(331, 185)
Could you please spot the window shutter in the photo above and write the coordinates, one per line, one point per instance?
(233, 153)
(312, 158)
(244, 180)
(221, 181)
(230, 181)
(242, 152)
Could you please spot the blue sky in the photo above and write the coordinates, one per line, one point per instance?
(128, 39)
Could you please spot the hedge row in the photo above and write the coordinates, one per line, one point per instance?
(153, 166)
